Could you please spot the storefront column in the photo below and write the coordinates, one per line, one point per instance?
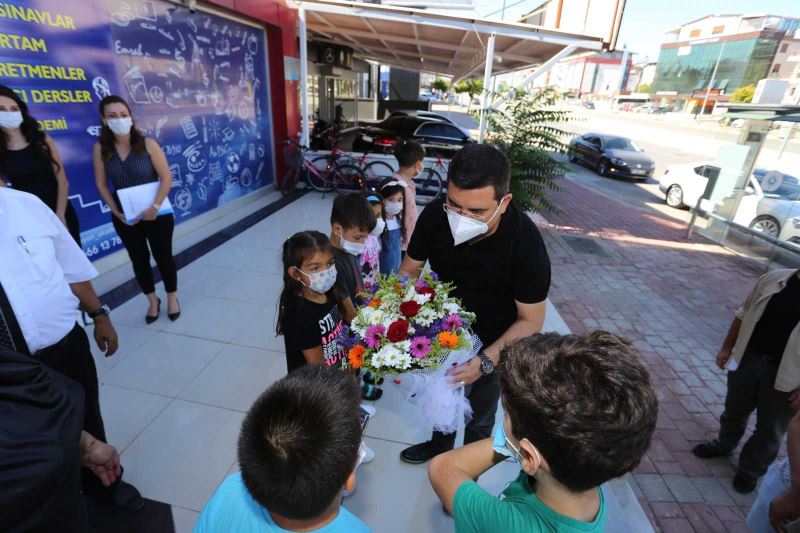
(303, 38)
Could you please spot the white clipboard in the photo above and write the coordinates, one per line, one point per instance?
(134, 200)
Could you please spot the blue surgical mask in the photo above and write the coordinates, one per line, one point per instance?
(499, 442)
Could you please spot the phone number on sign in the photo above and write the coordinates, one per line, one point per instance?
(103, 245)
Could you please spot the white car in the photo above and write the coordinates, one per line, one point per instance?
(774, 212)
(684, 184)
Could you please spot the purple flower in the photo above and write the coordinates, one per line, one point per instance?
(420, 346)
(452, 322)
(346, 338)
(434, 276)
(374, 336)
(420, 284)
(373, 288)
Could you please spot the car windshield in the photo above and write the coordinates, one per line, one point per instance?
(620, 143)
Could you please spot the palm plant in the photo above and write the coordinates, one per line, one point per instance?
(528, 129)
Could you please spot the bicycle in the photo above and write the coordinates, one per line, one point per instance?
(429, 183)
(324, 173)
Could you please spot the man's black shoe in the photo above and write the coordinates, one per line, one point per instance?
(710, 449)
(743, 484)
(421, 453)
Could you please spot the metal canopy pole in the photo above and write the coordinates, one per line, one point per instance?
(544, 67)
(487, 80)
(304, 134)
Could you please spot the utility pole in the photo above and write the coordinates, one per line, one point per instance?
(623, 68)
(711, 83)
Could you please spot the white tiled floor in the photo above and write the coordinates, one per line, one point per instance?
(175, 394)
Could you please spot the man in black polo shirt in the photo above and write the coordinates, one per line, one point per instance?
(496, 259)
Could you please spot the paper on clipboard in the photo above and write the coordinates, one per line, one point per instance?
(134, 200)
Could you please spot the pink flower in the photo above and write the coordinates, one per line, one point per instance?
(374, 336)
(452, 322)
(420, 346)
(420, 284)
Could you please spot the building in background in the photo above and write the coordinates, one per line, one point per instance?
(743, 46)
(589, 75)
(786, 66)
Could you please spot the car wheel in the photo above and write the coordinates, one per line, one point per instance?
(602, 167)
(675, 196)
(766, 224)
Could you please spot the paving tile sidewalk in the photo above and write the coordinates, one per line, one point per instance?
(632, 272)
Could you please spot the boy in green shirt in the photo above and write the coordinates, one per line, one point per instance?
(579, 411)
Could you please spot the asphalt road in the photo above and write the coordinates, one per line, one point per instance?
(668, 140)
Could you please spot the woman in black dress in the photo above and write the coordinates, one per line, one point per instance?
(126, 158)
(30, 162)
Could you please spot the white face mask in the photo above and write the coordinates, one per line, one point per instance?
(380, 225)
(10, 119)
(120, 126)
(393, 208)
(322, 281)
(465, 228)
(352, 248)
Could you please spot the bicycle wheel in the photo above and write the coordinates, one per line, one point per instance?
(347, 178)
(376, 171)
(428, 186)
(318, 180)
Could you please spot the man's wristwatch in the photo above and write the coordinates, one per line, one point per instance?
(487, 365)
(104, 310)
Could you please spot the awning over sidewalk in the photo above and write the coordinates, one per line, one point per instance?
(435, 42)
(421, 40)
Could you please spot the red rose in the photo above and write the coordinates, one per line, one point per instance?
(409, 309)
(427, 290)
(398, 331)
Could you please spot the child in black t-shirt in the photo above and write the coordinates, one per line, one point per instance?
(352, 220)
(311, 315)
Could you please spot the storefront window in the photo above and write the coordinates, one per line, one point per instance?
(344, 89)
(364, 85)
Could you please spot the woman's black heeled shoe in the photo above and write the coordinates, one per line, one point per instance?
(150, 319)
(175, 316)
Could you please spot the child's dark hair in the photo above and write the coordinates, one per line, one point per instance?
(408, 152)
(299, 441)
(353, 211)
(584, 401)
(389, 187)
(297, 249)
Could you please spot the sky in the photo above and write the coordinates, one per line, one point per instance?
(645, 21)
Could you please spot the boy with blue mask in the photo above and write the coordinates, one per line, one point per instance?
(579, 411)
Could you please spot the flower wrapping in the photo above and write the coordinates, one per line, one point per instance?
(415, 329)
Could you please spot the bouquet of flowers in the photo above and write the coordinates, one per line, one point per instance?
(404, 326)
(415, 327)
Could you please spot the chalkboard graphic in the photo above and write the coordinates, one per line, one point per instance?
(183, 201)
(232, 162)
(175, 172)
(101, 88)
(188, 127)
(196, 83)
(136, 86)
(195, 161)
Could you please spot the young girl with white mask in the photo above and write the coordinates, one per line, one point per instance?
(393, 192)
(30, 162)
(126, 158)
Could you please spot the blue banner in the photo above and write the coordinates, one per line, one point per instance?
(197, 83)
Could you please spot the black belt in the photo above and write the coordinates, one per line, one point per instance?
(60, 344)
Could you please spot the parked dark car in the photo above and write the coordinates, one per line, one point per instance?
(438, 138)
(610, 155)
(428, 115)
